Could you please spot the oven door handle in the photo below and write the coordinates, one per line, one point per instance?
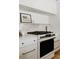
(54, 37)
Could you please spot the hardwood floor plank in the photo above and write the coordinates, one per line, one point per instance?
(57, 55)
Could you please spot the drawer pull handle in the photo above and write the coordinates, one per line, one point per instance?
(28, 52)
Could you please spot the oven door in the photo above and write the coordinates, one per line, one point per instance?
(46, 46)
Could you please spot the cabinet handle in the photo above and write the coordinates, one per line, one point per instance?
(28, 52)
(54, 37)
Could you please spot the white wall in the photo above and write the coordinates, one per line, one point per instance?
(55, 25)
(44, 5)
(26, 27)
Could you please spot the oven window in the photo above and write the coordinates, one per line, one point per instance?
(46, 47)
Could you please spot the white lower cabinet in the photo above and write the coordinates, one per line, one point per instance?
(32, 54)
(56, 45)
(28, 48)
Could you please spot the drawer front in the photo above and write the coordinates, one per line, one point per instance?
(28, 48)
(23, 43)
(28, 54)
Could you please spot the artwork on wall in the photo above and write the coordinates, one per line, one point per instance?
(25, 18)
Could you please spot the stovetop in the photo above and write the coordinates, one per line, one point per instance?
(39, 32)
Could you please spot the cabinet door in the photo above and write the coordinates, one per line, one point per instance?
(56, 45)
(32, 54)
(40, 19)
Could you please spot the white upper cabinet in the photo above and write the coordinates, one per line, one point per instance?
(43, 5)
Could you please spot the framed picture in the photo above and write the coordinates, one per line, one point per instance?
(25, 18)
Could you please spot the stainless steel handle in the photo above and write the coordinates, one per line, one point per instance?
(28, 52)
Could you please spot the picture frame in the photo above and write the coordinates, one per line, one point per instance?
(25, 18)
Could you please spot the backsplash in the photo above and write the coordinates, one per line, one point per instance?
(27, 27)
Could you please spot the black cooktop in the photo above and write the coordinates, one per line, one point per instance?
(39, 32)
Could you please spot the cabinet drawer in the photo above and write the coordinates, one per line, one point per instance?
(27, 42)
(27, 48)
(28, 54)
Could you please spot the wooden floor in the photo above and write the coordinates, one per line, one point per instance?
(57, 55)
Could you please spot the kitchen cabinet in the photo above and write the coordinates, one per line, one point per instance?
(56, 45)
(28, 48)
(43, 5)
(32, 54)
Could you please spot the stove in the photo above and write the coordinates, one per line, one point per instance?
(45, 43)
(39, 32)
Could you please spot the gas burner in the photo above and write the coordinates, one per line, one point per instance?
(39, 32)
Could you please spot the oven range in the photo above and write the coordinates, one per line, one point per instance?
(45, 44)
